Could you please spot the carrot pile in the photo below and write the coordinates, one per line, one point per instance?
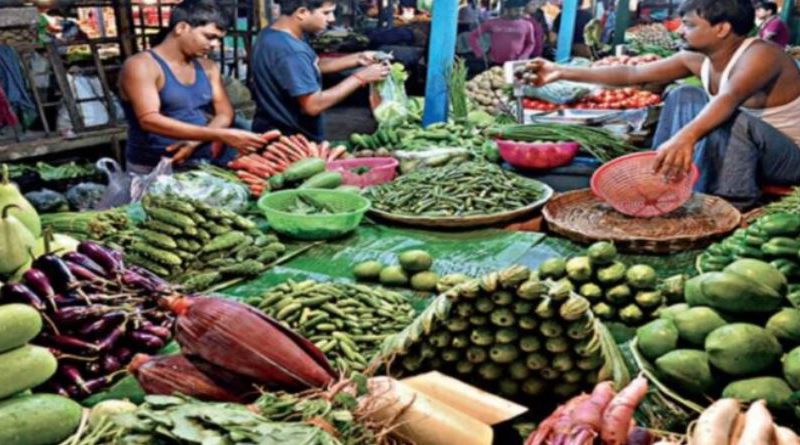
(280, 152)
(603, 413)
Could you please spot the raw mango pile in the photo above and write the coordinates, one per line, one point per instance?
(618, 293)
(737, 335)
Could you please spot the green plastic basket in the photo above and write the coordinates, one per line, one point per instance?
(350, 210)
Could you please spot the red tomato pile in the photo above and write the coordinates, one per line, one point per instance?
(618, 99)
(610, 99)
(627, 60)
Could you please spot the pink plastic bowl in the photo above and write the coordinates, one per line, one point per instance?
(380, 170)
(537, 155)
(629, 185)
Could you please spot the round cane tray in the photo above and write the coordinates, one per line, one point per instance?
(462, 222)
(582, 217)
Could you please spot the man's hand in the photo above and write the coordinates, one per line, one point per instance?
(366, 58)
(244, 141)
(546, 71)
(674, 157)
(182, 151)
(373, 73)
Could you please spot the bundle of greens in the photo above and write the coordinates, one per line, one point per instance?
(388, 98)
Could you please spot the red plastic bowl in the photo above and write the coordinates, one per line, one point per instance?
(536, 155)
(380, 170)
(629, 185)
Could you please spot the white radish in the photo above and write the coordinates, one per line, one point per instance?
(736, 431)
(714, 425)
(785, 436)
(758, 429)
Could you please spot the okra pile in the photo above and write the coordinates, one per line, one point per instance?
(509, 332)
(469, 188)
(198, 245)
(346, 321)
(772, 238)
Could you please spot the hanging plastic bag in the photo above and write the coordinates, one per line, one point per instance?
(118, 192)
(141, 183)
(388, 98)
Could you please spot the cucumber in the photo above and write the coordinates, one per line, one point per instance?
(23, 368)
(19, 324)
(40, 419)
(303, 169)
(324, 180)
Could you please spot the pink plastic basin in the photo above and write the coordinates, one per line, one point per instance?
(537, 155)
(377, 170)
(629, 185)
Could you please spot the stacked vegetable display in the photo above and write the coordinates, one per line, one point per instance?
(772, 238)
(652, 38)
(470, 188)
(729, 337)
(509, 333)
(26, 418)
(198, 245)
(280, 153)
(346, 321)
(99, 312)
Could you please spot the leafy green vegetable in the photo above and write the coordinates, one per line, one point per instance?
(393, 107)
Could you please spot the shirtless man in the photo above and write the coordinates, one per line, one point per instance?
(173, 96)
(742, 131)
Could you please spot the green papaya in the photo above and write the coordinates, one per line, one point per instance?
(742, 349)
(775, 391)
(657, 338)
(696, 323)
(734, 293)
(760, 272)
(688, 369)
(785, 325)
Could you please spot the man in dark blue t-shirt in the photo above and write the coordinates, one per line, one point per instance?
(287, 74)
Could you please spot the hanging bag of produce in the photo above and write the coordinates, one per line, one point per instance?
(510, 333)
(388, 99)
(118, 192)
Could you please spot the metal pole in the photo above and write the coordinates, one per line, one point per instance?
(569, 12)
(623, 21)
(441, 52)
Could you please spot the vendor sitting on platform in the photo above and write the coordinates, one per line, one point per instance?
(741, 129)
(287, 74)
(173, 96)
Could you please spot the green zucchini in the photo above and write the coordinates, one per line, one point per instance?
(224, 241)
(148, 264)
(324, 180)
(303, 169)
(171, 217)
(158, 239)
(19, 324)
(160, 256)
(161, 227)
(40, 419)
(24, 368)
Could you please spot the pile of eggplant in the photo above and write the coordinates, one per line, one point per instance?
(98, 314)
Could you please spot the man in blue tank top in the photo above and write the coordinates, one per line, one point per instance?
(173, 96)
(287, 74)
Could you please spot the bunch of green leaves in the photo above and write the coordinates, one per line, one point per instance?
(166, 420)
(338, 408)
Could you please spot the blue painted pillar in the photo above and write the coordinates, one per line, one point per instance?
(441, 53)
(569, 11)
(623, 20)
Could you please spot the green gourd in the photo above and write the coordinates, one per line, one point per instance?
(16, 241)
(10, 194)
